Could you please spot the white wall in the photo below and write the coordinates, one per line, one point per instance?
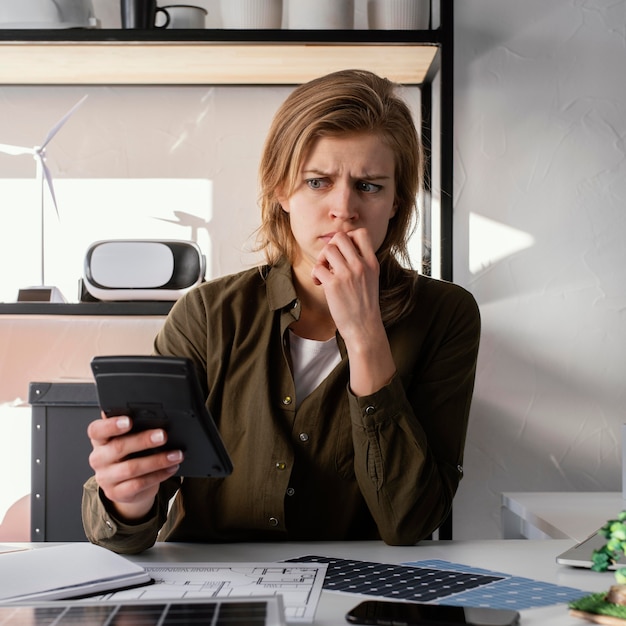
(137, 135)
(166, 162)
(540, 124)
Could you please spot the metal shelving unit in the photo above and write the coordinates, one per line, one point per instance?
(263, 57)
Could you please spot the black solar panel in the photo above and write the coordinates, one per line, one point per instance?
(259, 611)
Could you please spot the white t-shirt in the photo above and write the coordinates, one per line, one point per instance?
(312, 361)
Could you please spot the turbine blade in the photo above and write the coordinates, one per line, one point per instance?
(7, 149)
(55, 129)
(48, 178)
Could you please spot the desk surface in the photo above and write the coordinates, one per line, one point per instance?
(529, 559)
(561, 515)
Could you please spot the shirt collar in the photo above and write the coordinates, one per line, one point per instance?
(280, 290)
(281, 294)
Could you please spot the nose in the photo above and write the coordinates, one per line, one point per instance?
(343, 203)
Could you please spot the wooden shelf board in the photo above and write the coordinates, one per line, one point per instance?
(202, 63)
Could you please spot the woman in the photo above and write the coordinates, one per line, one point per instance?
(339, 380)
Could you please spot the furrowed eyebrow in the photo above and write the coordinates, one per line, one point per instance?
(364, 176)
(314, 172)
(375, 177)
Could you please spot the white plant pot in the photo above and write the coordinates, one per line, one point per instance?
(398, 14)
(251, 14)
(320, 14)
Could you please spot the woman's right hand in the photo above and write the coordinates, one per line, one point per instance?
(130, 484)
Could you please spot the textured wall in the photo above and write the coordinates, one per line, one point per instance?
(136, 135)
(170, 162)
(540, 122)
(540, 185)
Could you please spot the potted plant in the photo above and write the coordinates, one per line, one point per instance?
(607, 607)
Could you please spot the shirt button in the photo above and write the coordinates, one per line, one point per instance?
(459, 469)
(370, 410)
(304, 437)
(281, 465)
(294, 304)
(287, 400)
(291, 491)
(273, 521)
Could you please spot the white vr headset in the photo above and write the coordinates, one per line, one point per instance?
(142, 269)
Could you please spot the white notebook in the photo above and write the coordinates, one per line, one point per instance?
(66, 571)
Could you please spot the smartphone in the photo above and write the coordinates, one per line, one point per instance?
(163, 392)
(390, 613)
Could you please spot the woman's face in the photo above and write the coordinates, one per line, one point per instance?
(345, 182)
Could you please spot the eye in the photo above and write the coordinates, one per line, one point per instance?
(316, 183)
(366, 187)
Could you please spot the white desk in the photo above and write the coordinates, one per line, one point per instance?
(531, 559)
(557, 515)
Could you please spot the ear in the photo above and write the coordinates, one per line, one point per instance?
(282, 199)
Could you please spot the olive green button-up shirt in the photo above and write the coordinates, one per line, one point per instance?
(339, 467)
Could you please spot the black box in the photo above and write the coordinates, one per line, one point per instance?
(61, 413)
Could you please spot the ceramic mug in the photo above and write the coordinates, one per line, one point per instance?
(398, 14)
(252, 14)
(184, 16)
(44, 13)
(142, 14)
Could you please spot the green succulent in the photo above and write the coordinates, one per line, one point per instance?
(615, 533)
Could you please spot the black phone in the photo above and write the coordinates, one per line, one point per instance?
(389, 612)
(163, 392)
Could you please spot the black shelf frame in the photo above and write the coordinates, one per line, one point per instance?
(139, 308)
(222, 35)
(443, 65)
(447, 136)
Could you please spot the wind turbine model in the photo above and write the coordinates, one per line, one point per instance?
(42, 176)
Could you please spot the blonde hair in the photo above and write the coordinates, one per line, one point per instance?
(344, 102)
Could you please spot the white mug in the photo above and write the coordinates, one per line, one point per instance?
(398, 14)
(185, 16)
(252, 13)
(321, 14)
(46, 13)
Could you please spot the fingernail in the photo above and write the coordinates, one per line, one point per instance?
(176, 456)
(122, 422)
(157, 437)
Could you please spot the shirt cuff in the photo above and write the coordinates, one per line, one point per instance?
(385, 404)
(113, 525)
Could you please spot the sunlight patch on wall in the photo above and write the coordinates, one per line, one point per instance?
(91, 210)
(491, 241)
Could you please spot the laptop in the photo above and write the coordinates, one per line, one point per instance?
(580, 555)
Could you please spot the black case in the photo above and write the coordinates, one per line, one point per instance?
(61, 412)
(164, 392)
